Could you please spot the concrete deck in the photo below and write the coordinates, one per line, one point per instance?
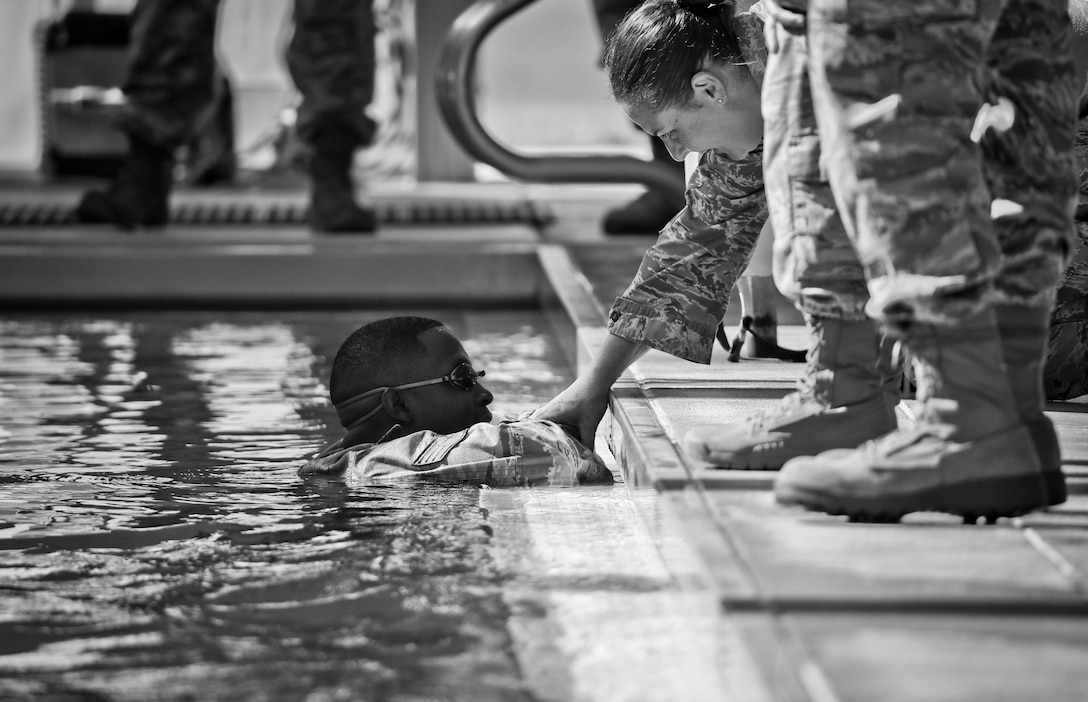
(829, 610)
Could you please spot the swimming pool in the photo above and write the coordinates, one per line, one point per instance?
(157, 544)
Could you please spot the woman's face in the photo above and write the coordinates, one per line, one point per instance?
(722, 114)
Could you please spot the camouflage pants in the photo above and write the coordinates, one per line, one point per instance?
(814, 261)
(896, 90)
(171, 67)
(1066, 374)
(331, 59)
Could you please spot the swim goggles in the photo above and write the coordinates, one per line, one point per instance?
(463, 377)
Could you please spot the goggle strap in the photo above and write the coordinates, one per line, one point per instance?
(358, 398)
(472, 377)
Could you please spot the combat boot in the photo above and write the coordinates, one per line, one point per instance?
(139, 196)
(847, 396)
(1024, 332)
(970, 453)
(332, 201)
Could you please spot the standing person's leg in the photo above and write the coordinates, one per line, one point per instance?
(651, 211)
(1065, 374)
(849, 391)
(331, 60)
(897, 88)
(171, 68)
(1031, 172)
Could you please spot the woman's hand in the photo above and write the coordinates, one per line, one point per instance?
(583, 403)
(580, 406)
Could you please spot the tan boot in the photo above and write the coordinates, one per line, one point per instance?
(1024, 333)
(846, 397)
(970, 453)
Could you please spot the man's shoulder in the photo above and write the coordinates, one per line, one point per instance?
(506, 436)
(506, 452)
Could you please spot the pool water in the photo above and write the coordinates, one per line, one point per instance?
(156, 542)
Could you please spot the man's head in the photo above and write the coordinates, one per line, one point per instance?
(380, 357)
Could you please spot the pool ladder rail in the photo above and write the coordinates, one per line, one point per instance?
(454, 91)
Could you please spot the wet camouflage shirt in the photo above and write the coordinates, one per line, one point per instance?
(682, 287)
(504, 453)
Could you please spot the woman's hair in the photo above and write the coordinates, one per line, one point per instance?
(375, 352)
(659, 45)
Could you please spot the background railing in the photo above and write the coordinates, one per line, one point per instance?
(454, 85)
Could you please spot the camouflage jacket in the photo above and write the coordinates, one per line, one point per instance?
(682, 287)
(503, 453)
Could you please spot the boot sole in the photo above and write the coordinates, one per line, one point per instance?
(990, 499)
(774, 458)
(846, 430)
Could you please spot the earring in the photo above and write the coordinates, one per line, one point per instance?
(719, 99)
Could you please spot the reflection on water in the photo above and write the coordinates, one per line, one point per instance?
(156, 543)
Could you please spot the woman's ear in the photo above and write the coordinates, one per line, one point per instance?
(393, 404)
(707, 87)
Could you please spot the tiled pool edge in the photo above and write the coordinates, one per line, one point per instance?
(649, 460)
(645, 453)
(800, 618)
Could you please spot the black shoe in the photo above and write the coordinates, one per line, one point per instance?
(344, 218)
(647, 214)
(756, 345)
(332, 203)
(139, 195)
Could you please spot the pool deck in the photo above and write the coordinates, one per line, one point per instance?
(930, 609)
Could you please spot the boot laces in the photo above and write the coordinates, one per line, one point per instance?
(789, 405)
(782, 409)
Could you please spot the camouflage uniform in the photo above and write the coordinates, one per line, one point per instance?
(815, 265)
(331, 59)
(1066, 373)
(1032, 241)
(172, 65)
(171, 69)
(947, 131)
(504, 453)
(682, 287)
(914, 190)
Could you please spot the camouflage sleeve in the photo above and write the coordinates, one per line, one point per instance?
(682, 287)
(749, 28)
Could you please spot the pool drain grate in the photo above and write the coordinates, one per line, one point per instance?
(406, 211)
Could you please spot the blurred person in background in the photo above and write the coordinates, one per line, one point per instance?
(170, 81)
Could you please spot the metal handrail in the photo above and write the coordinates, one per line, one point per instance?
(454, 92)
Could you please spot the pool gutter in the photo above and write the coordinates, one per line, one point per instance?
(93, 269)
